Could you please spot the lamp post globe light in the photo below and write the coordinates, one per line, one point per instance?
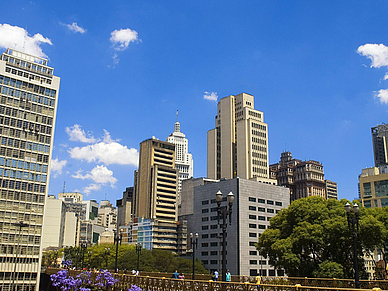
(194, 244)
(138, 251)
(118, 239)
(352, 224)
(224, 212)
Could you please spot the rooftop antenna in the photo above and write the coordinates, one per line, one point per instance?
(105, 196)
(177, 115)
(64, 187)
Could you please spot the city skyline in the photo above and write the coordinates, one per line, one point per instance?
(317, 71)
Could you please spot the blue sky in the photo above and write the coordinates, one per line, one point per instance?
(317, 71)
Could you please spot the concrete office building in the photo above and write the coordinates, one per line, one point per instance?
(373, 187)
(255, 203)
(304, 178)
(380, 147)
(155, 191)
(125, 207)
(54, 222)
(238, 145)
(183, 159)
(107, 215)
(29, 95)
(331, 190)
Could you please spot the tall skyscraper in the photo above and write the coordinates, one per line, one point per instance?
(28, 105)
(155, 191)
(380, 147)
(238, 145)
(183, 159)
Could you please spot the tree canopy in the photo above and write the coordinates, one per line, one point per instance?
(311, 238)
(150, 261)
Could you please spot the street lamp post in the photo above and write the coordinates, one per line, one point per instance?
(107, 252)
(118, 238)
(84, 247)
(224, 212)
(194, 244)
(19, 224)
(138, 251)
(352, 223)
(89, 258)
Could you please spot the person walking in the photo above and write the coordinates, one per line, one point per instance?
(215, 277)
(228, 276)
(258, 282)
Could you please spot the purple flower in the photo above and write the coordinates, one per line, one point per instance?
(135, 288)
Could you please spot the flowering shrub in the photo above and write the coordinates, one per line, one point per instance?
(82, 281)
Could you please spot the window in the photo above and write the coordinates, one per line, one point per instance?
(204, 245)
(260, 200)
(271, 272)
(251, 225)
(205, 262)
(261, 226)
(204, 236)
(252, 199)
(204, 253)
(262, 262)
(205, 218)
(214, 209)
(252, 234)
(204, 202)
(205, 227)
(206, 210)
(253, 253)
(253, 262)
(261, 209)
(251, 216)
(278, 203)
(214, 235)
(213, 253)
(214, 226)
(270, 210)
(261, 217)
(213, 244)
(270, 202)
(213, 262)
(252, 208)
(252, 244)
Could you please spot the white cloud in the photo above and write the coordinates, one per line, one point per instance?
(91, 187)
(74, 27)
(18, 38)
(383, 95)
(121, 38)
(56, 166)
(377, 53)
(99, 174)
(77, 134)
(211, 96)
(107, 151)
(386, 76)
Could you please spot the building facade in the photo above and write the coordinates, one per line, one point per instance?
(303, 178)
(155, 191)
(29, 95)
(125, 207)
(254, 204)
(238, 145)
(380, 149)
(373, 187)
(183, 159)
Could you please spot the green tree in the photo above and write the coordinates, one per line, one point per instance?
(312, 232)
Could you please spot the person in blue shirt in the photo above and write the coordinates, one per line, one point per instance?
(228, 276)
(175, 275)
(215, 277)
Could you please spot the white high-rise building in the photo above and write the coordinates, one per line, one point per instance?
(238, 145)
(183, 159)
(28, 106)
